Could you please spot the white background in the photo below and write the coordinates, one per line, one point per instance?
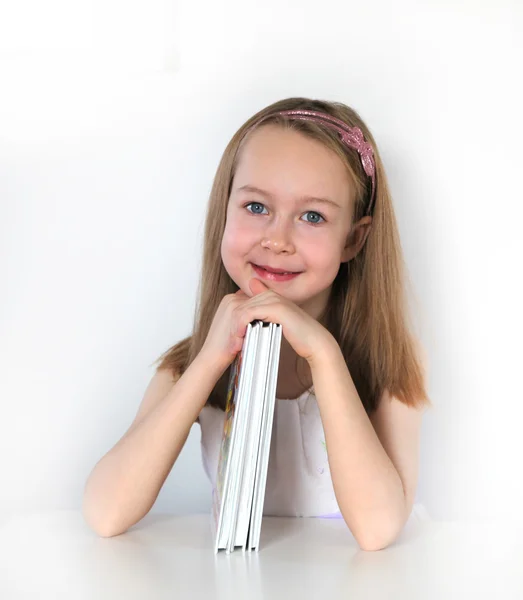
(113, 118)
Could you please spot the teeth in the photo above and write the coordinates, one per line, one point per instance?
(275, 273)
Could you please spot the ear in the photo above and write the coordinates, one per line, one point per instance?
(356, 238)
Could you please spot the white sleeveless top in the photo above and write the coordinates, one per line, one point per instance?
(299, 482)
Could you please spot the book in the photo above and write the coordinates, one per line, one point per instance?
(238, 497)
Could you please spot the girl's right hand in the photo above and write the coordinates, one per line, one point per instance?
(220, 343)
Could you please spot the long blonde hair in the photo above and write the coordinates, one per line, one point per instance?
(367, 311)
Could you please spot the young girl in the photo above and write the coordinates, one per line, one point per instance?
(300, 230)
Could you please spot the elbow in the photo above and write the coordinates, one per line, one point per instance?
(376, 537)
(102, 525)
(104, 530)
(375, 543)
(110, 522)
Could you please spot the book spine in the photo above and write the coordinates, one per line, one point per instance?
(267, 434)
(244, 399)
(252, 443)
(226, 461)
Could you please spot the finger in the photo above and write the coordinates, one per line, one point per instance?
(256, 286)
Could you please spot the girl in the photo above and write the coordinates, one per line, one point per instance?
(300, 230)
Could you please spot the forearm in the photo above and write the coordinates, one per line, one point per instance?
(368, 487)
(126, 481)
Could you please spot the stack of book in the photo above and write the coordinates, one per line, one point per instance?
(244, 452)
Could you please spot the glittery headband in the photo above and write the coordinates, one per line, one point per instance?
(352, 137)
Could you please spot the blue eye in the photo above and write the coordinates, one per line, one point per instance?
(307, 212)
(313, 212)
(255, 203)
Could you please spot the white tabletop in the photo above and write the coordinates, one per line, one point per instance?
(55, 556)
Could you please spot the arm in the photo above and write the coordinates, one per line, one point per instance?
(373, 462)
(125, 483)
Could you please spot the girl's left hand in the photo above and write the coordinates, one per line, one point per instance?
(304, 333)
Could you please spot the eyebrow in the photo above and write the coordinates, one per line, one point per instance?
(256, 190)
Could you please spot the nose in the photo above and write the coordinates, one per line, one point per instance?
(278, 238)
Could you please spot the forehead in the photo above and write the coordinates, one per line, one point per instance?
(289, 162)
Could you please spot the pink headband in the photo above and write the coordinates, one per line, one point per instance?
(352, 137)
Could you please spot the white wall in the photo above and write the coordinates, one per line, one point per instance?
(106, 167)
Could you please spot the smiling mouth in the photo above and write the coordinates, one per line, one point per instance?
(276, 272)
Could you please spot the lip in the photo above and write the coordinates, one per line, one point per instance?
(275, 277)
(273, 270)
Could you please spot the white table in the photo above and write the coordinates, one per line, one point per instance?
(55, 556)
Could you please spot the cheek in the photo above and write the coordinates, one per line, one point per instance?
(234, 247)
(323, 257)
(237, 238)
(321, 252)
(229, 242)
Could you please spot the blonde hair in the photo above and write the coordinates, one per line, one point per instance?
(367, 311)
